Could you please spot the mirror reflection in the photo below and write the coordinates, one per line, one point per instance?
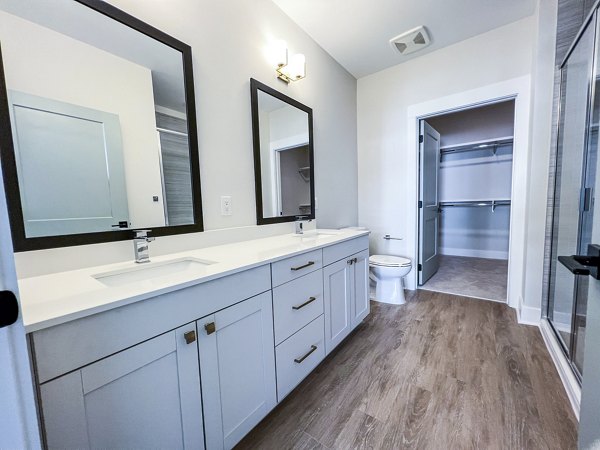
(285, 158)
(98, 115)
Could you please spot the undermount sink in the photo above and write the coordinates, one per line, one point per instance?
(314, 234)
(150, 271)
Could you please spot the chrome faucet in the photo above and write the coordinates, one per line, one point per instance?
(140, 246)
(300, 225)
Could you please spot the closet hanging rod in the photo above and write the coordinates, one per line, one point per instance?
(492, 145)
(474, 203)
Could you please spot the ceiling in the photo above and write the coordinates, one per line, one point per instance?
(357, 32)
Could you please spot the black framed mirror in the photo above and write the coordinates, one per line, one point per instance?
(282, 132)
(98, 131)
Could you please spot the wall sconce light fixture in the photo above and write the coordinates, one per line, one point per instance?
(293, 69)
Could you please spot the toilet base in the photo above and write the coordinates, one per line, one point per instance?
(389, 291)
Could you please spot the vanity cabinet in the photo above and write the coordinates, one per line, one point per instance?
(346, 294)
(237, 366)
(147, 396)
(113, 380)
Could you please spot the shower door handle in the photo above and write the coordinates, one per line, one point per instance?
(585, 203)
(584, 264)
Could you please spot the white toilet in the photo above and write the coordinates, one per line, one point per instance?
(387, 272)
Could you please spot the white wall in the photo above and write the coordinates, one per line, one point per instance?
(387, 163)
(542, 82)
(229, 40)
(48, 64)
(289, 126)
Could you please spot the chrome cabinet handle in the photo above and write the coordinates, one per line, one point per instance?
(210, 328)
(312, 349)
(308, 264)
(190, 337)
(308, 302)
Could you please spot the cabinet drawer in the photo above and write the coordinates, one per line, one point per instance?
(299, 355)
(296, 304)
(339, 251)
(296, 266)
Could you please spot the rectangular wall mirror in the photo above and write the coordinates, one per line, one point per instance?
(98, 127)
(283, 156)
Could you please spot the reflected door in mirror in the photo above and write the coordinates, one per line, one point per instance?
(70, 166)
(99, 118)
(283, 154)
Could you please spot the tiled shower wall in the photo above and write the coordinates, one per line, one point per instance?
(571, 16)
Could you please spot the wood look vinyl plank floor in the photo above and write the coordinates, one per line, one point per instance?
(440, 372)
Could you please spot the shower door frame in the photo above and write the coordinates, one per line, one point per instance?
(592, 21)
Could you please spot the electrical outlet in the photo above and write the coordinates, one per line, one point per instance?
(226, 205)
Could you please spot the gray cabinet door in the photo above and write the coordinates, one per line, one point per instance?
(237, 363)
(360, 287)
(147, 396)
(337, 293)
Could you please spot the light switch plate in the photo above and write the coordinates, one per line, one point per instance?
(226, 205)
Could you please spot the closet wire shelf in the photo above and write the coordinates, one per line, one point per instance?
(475, 203)
(492, 145)
(305, 173)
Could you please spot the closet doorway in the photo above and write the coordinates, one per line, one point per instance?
(465, 181)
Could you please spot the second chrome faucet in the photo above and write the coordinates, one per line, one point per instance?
(140, 246)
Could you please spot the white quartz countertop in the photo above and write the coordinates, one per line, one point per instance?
(57, 298)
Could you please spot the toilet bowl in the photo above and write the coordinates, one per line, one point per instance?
(387, 272)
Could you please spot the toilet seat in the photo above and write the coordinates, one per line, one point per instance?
(389, 261)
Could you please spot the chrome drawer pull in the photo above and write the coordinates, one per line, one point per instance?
(309, 301)
(312, 349)
(308, 264)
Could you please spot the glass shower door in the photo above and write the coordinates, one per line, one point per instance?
(573, 198)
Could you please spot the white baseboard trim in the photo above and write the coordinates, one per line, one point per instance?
(528, 315)
(489, 254)
(567, 377)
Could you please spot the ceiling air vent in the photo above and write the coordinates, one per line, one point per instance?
(411, 41)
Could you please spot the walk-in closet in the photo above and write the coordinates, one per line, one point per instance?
(466, 165)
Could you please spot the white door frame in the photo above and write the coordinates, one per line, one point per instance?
(18, 416)
(518, 89)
